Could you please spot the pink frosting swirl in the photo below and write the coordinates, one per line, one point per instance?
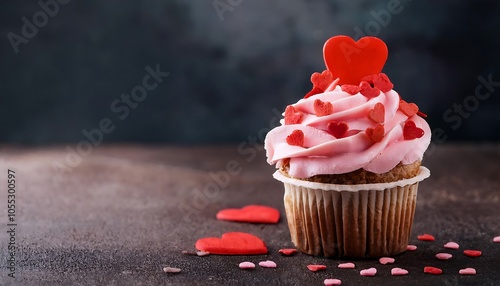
(323, 153)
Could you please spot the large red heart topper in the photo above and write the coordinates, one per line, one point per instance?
(232, 243)
(350, 61)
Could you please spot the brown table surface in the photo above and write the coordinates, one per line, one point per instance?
(124, 212)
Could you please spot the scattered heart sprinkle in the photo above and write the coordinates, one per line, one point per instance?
(443, 256)
(451, 245)
(171, 269)
(332, 282)
(432, 270)
(411, 131)
(287, 251)
(496, 239)
(411, 247)
(426, 237)
(267, 264)
(251, 214)
(296, 138)
(377, 114)
(187, 252)
(376, 134)
(347, 265)
(398, 271)
(467, 271)
(322, 108)
(316, 267)
(246, 265)
(292, 116)
(386, 260)
(472, 253)
(368, 272)
(202, 253)
(232, 243)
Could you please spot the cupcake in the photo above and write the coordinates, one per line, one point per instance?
(349, 154)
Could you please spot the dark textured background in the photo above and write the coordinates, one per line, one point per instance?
(228, 73)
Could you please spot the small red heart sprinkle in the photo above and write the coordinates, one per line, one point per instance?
(426, 237)
(316, 267)
(313, 91)
(322, 108)
(337, 129)
(322, 80)
(472, 253)
(411, 131)
(376, 134)
(382, 82)
(287, 251)
(232, 243)
(350, 61)
(377, 114)
(350, 89)
(432, 270)
(250, 213)
(409, 109)
(296, 138)
(367, 90)
(421, 114)
(292, 116)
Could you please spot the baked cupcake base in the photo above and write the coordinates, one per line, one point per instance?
(359, 221)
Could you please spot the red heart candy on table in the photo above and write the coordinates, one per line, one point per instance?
(287, 251)
(296, 138)
(411, 131)
(232, 243)
(337, 129)
(350, 61)
(316, 267)
(432, 270)
(250, 213)
(377, 114)
(426, 236)
(472, 253)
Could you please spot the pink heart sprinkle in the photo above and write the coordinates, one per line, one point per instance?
(368, 272)
(202, 253)
(496, 239)
(247, 265)
(452, 245)
(267, 264)
(169, 269)
(386, 260)
(443, 256)
(467, 271)
(348, 265)
(411, 247)
(331, 282)
(398, 271)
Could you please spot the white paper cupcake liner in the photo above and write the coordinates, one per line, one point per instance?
(365, 220)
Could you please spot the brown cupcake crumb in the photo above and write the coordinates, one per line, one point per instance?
(360, 176)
